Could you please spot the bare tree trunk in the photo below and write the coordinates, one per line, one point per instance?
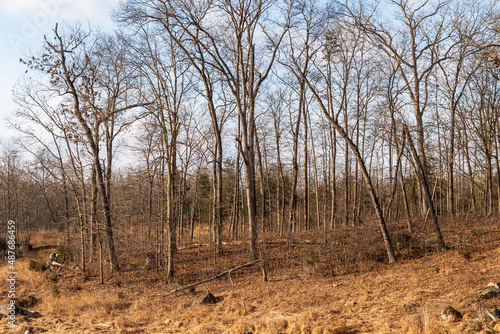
(364, 171)
(292, 220)
(107, 221)
(280, 191)
(488, 193)
(307, 217)
(83, 215)
(497, 159)
(427, 195)
(346, 176)
(93, 213)
(194, 205)
(315, 168)
(169, 210)
(261, 184)
(101, 260)
(216, 205)
(236, 198)
(333, 148)
(405, 201)
(451, 162)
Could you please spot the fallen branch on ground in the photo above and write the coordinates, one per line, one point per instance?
(228, 272)
(35, 249)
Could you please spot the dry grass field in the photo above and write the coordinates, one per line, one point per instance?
(343, 286)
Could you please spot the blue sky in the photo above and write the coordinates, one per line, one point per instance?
(23, 24)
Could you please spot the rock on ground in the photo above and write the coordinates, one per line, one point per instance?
(451, 314)
(205, 298)
(6, 308)
(488, 292)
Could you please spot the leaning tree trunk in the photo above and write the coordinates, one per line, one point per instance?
(424, 183)
(364, 172)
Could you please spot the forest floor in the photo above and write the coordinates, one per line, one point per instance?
(343, 286)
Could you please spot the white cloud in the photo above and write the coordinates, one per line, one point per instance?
(15, 7)
(95, 10)
(20, 7)
(51, 10)
(23, 24)
(30, 20)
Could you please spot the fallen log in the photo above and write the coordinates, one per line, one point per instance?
(227, 272)
(35, 249)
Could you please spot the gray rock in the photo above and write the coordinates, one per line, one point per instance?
(494, 284)
(9, 309)
(488, 313)
(493, 313)
(205, 298)
(30, 314)
(12, 309)
(488, 292)
(450, 314)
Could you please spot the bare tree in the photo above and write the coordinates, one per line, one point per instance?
(241, 48)
(482, 113)
(72, 67)
(168, 79)
(471, 37)
(313, 81)
(417, 45)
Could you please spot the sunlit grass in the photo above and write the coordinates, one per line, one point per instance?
(406, 297)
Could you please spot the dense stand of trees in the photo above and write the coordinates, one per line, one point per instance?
(248, 118)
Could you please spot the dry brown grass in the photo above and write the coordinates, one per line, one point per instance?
(45, 237)
(302, 295)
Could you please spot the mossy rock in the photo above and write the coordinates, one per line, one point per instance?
(205, 298)
(450, 314)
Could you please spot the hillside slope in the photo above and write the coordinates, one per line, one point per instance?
(306, 291)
